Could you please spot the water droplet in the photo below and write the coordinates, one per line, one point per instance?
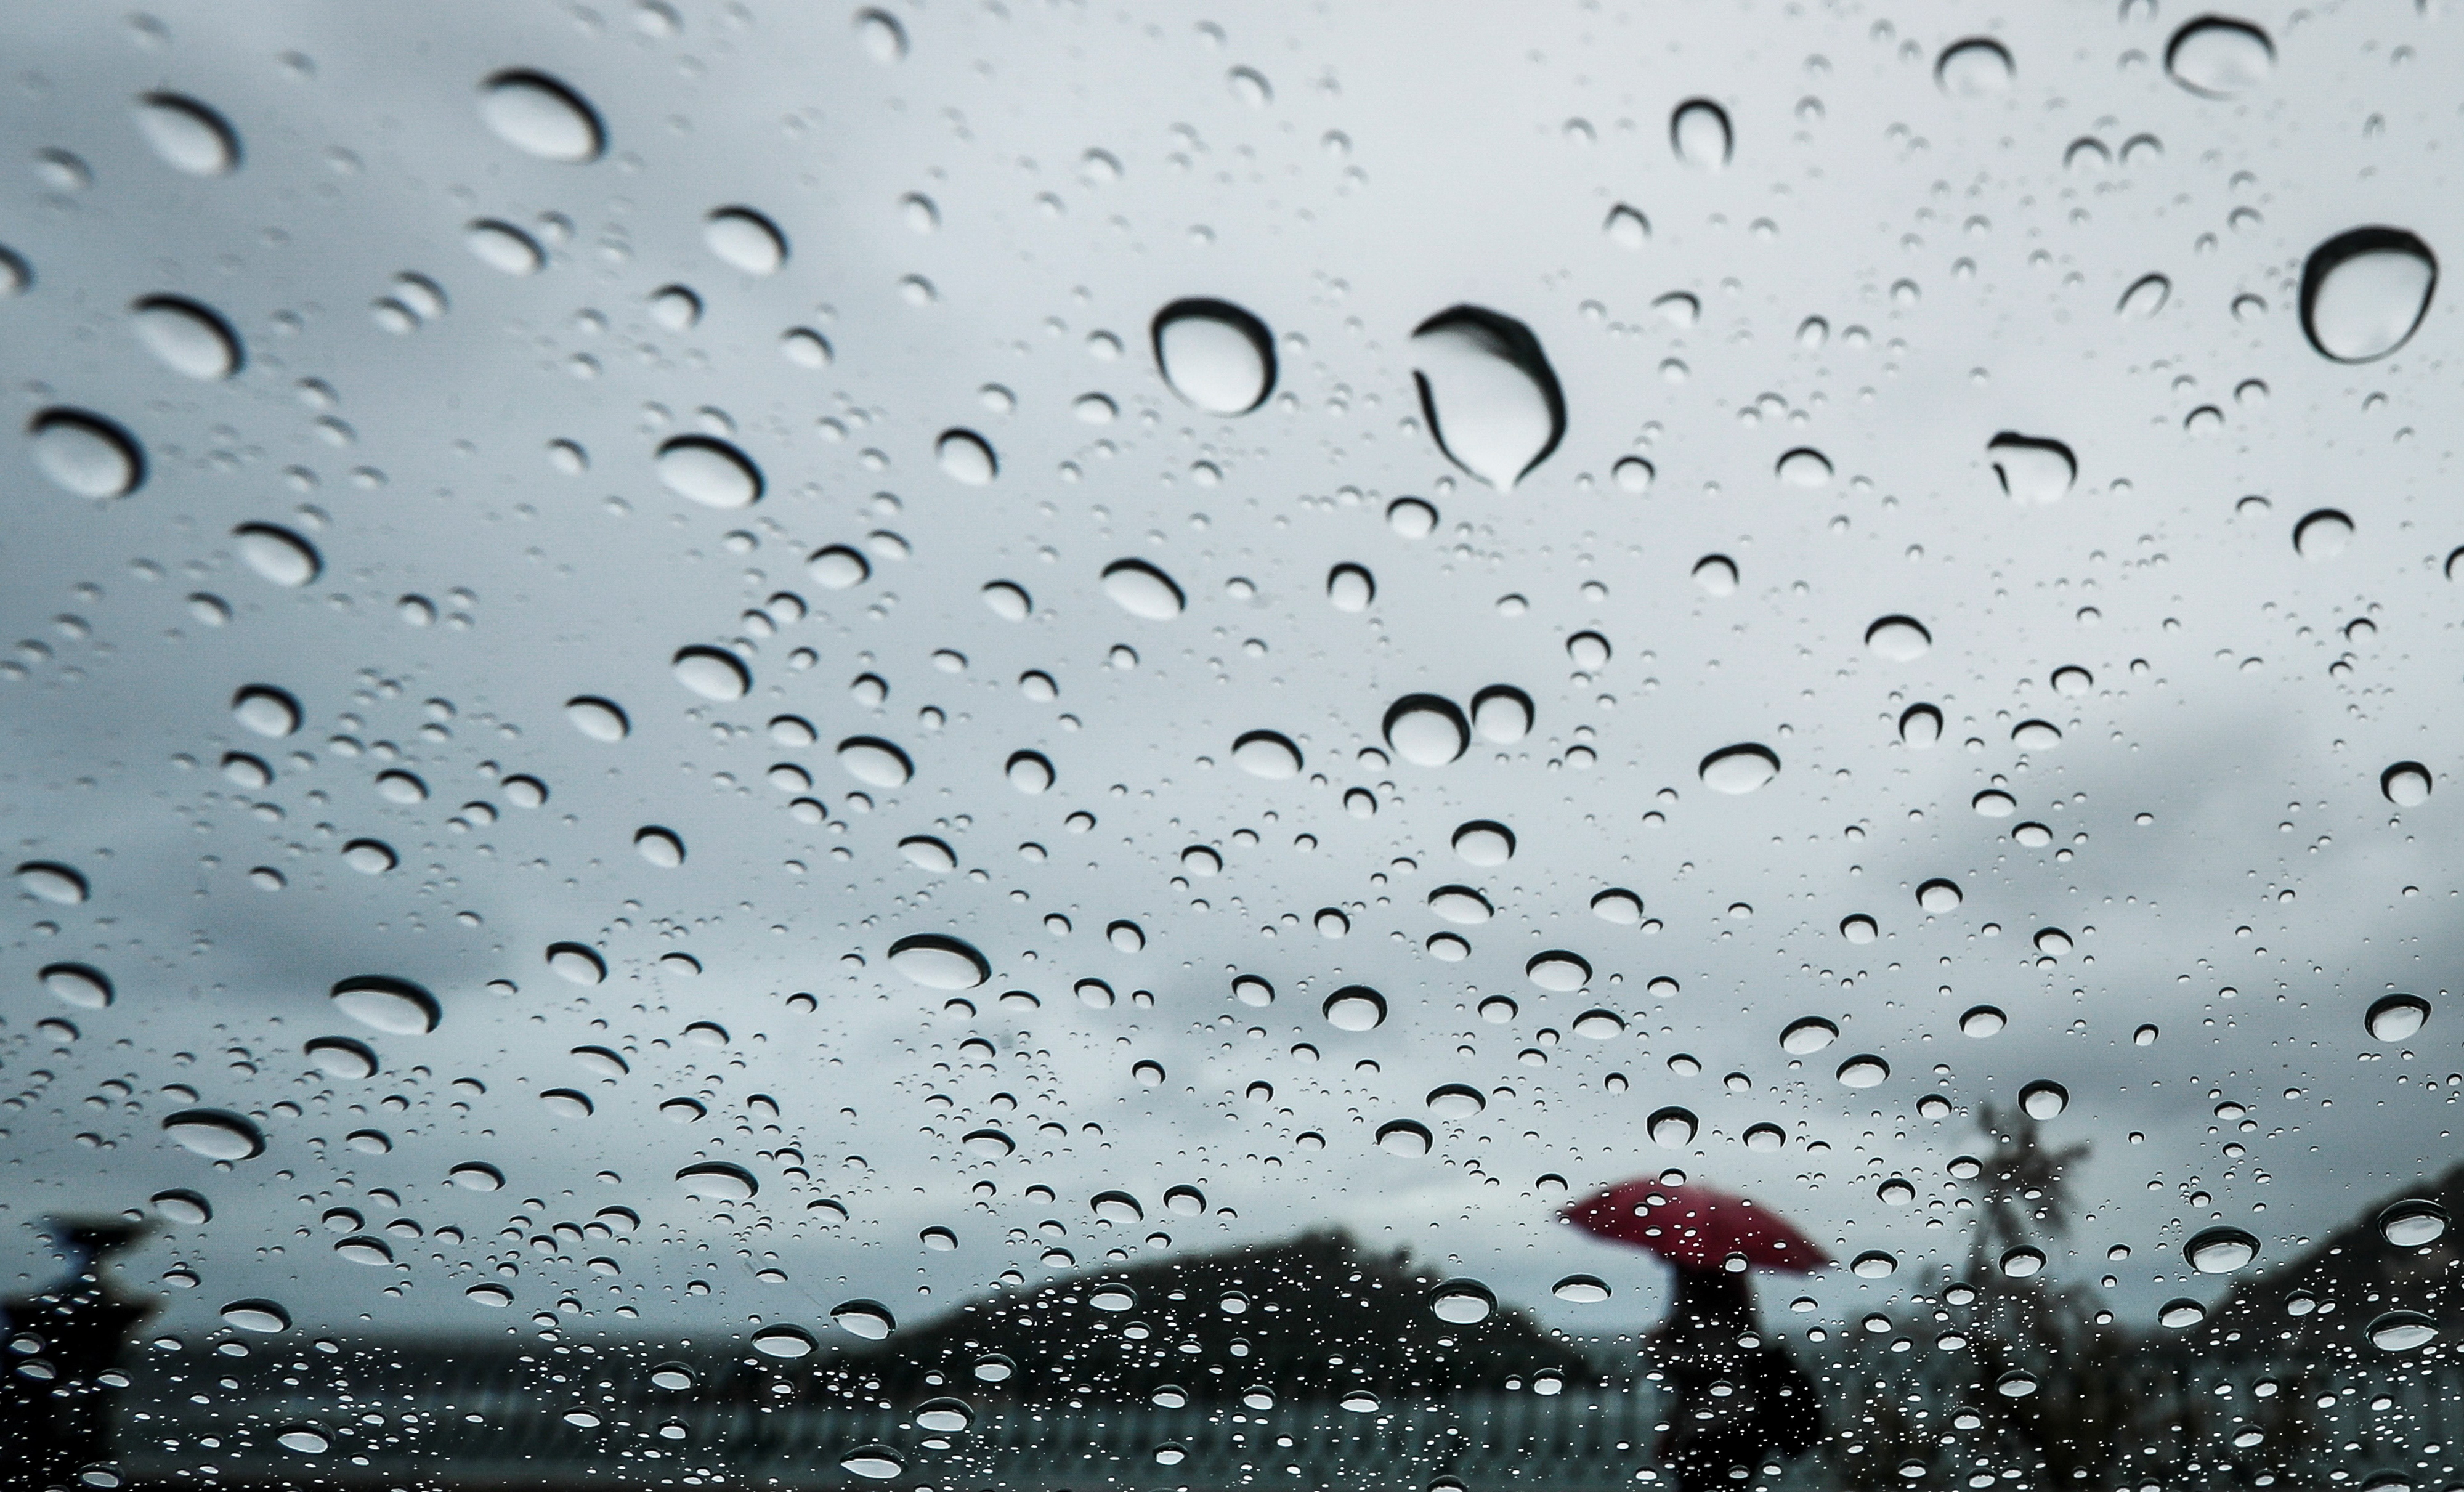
(1804, 467)
(1265, 754)
(2413, 1222)
(1403, 1137)
(1975, 68)
(187, 135)
(2364, 292)
(1863, 1071)
(925, 851)
(77, 984)
(85, 454)
(661, 847)
(306, 1440)
(1426, 731)
(2145, 297)
(1356, 1007)
(837, 567)
(539, 116)
(1484, 843)
(577, 963)
(2392, 1018)
(1994, 803)
(1698, 131)
(1502, 714)
(882, 37)
(1982, 1021)
(1453, 1101)
(599, 720)
(1919, 726)
(476, 1176)
(1626, 227)
(1899, 639)
(1581, 1290)
(2220, 1250)
(2016, 1383)
(717, 1182)
(1214, 355)
(341, 1057)
(874, 1463)
(401, 787)
(266, 710)
(1738, 769)
(51, 882)
(1716, 575)
(1142, 590)
(784, 1340)
(1633, 475)
(2031, 467)
(1559, 969)
(806, 348)
(2321, 535)
(939, 962)
(1939, 895)
(1349, 587)
(1672, 1127)
(1462, 1302)
(2402, 1330)
(184, 1207)
(1491, 400)
(1619, 905)
(566, 1104)
(1029, 772)
(2022, 1261)
(188, 337)
(712, 672)
(709, 471)
(503, 248)
(2043, 1100)
(215, 1133)
(944, 1415)
(1807, 1034)
(277, 554)
(397, 1007)
(2218, 56)
(743, 240)
(2406, 784)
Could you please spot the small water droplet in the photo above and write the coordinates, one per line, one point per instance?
(1426, 731)
(661, 847)
(1982, 1021)
(215, 1133)
(2364, 292)
(184, 1207)
(577, 963)
(1873, 1265)
(1402, 1137)
(77, 984)
(187, 337)
(719, 1181)
(1462, 1302)
(712, 672)
(1142, 590)
(1939, 895)
(187, 135)
(880, 35)
(1030, 771)
(2321, 535)
(744, 239)
(2031, 467)
(1804, 467)
(341, 1057)
(475, 1175)
(1975, 68)
(2145, 297)
(1215, 355)
(1627, 227)
(542, 117)
(966, 457)
(2406, 784)
(1356, 1007)
(1807, 1034)
(1502, 714)
(1863, 1071)
(1351, 587)
(277, 554)
(1672, 1127)
(1269, 754)
(503, 248)
(1899, 639)
(940, 963)
(85, 454)
(1492, 401)
(2043, 1100)
(709, 471)
(1919, 726)
(599, 720)
(1559, 969)
(397, 1007)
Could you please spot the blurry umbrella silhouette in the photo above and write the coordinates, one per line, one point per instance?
(1739, 1399)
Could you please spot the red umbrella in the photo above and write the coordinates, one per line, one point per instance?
(1695, 1227)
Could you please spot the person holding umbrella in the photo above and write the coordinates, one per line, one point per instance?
(1738, 1398)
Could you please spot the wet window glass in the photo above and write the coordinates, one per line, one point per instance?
(1011, 746)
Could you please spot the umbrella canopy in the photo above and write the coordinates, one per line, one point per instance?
(1695, 1227)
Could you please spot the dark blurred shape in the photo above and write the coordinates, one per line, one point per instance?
(56, 1397)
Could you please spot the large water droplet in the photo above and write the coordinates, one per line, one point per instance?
(577, 963)
(882, 37)
(1672, 1127)
(1899, 639)
(1559, 969)
(1403, 1137)
(1349, 587)
(2321, 535)
(341, 1057)
(503, 248)
(183, 1206)
(2031, 467)
(874, 761)
(1461, 1303)
(2217, 56)
(1426, 731)
(1626, 227)
(939, 962)
(966, 457)
(2406, 784)
(2392, 1018)
(1483, 842)
(187, 135)
(1269, 754)
(77, 984)
(1356, 1007)
(51, 882)
(1452, 1101)
(1975, 68)
(599, 720)
(873, 1462)
(266, 710)
(1215, 355)
(1030, 771)
(539, 115)
(1919, 726)
(277, 554)
(709, 471)
(1502, 714)
(1459, 904)
(2145, 297)
(661, 847)
(1863, 1071)
(2402, 1330)
(1698, 131)
(1142, 590)
(1804, 467)
(2043, 1100)
(944, 1415)
(2364, 292)
(784, 1340)
(1808, 1034)
(2413, 1222)
(2220, 1250)
(1492, 401)
(188, 337)
(397, 1007)
(215, 1133)
(1738, 769)
(712, 672)
(743, 240)
(717, 1182)
(86, 454)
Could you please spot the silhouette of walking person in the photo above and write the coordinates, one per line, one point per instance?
(1739, 1400)
(55, 1401)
